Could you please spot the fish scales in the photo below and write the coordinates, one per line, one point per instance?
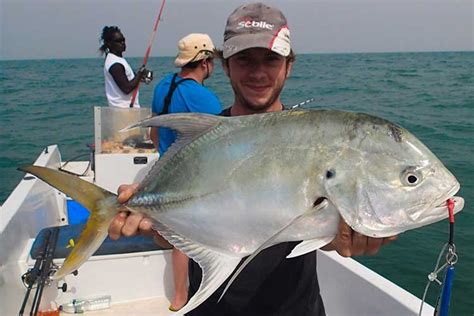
(270, 169)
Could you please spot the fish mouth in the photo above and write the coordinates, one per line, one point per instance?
(432, 215)
(443, 207)
(428, 215)
(439, 209)
(441, 204)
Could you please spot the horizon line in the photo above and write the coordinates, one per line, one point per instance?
(304, 53)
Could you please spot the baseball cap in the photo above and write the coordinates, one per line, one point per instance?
(193, 47)
(256, 25)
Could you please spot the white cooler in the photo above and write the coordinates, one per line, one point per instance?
(128, 156)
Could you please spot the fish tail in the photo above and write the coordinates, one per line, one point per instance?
(103, 206)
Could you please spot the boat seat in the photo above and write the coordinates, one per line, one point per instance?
(108, 247)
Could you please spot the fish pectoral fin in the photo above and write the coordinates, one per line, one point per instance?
(318, 207)
(269, 242)
(216, 267)
(309, 245)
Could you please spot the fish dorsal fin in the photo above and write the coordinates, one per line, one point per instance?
(269, 242)
(216, 267)
(309, 245)
(188, 127)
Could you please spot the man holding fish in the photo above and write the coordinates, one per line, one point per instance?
(249, 198)
(257, 58)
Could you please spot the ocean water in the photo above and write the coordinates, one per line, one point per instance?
(47, 102)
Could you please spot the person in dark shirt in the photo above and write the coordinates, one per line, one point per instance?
(257, 58)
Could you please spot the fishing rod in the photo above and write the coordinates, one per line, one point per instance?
(30, 277)
(45, 270)
(148, 50)
(40, 273)
(302, 103)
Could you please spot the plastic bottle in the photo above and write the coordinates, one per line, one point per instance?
(79, 306)
(49, 312)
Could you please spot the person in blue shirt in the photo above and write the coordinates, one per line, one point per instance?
(184, 92)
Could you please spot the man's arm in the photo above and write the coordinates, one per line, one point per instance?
(154, 136)
(118, 73)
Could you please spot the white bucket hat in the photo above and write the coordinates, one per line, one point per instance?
(194, 47)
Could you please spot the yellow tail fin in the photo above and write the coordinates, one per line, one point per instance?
(103, 206)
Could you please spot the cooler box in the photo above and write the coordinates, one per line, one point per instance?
(121, 157)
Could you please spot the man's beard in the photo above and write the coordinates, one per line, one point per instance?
(257, 108)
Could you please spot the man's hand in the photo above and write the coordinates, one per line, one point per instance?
(130, 224)
(145, 75)
(349, 243)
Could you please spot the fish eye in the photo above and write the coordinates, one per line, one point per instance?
(411, 176)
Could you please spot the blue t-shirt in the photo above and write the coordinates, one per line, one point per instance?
(189, 96)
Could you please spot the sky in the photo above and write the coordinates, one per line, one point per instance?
(44, 29)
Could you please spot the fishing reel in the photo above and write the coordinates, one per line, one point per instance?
(30, 277)
(147, 76)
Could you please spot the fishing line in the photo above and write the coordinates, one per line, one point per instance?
(73, 159)
(451, 258)
(148, 50)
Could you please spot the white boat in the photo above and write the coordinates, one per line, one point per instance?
(140, 283)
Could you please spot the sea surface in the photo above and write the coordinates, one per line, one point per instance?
(47, 102)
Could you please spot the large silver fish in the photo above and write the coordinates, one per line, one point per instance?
(230, 187)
